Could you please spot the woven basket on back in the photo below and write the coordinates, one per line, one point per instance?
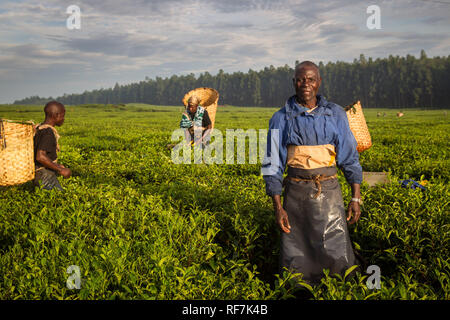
(208, 99)
(358, 126)
(16, 152)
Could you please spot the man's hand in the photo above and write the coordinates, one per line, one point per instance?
(353, 210)
(283, 220)
(65, 172)
(281, 215)
(353, 207)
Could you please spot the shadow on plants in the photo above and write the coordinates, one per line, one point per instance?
(247, 231)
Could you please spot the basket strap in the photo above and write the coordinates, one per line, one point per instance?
(2, 136)
(55, 132)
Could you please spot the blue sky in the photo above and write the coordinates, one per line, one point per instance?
(126, 40)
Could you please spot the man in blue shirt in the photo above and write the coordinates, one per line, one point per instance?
(311, 137)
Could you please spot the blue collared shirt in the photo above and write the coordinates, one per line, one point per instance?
(326, 124)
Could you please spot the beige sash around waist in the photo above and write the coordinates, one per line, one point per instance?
(311, 157)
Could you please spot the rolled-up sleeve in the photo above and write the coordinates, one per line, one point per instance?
(275, 156)
(347, 156)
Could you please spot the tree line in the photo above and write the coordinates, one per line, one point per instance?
(384, 82)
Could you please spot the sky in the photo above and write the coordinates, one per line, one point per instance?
(125, 41)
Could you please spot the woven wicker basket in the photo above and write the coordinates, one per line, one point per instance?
(208, 99)
(16, 152)
(358, 126)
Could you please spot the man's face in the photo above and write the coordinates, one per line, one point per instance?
(60, 118)
(192, 106)
(307, 83)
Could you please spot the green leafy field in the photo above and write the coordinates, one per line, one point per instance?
(141, 227)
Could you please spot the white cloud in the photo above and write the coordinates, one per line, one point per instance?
(123, 41)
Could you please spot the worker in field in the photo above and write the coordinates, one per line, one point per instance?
(46, 147)
(312, 138)
(196, 122)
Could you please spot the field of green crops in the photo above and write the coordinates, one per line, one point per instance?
(140, 227)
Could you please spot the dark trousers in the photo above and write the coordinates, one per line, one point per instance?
(47, 179)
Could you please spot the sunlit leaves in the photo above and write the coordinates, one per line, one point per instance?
(140, 227)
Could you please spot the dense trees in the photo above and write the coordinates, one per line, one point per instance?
(389, 82)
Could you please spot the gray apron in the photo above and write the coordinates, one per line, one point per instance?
(319, 237)
(47, 179)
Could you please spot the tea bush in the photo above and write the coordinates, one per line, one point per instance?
(140, 227)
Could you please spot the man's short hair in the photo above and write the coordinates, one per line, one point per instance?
(52, 108)
(306, 64)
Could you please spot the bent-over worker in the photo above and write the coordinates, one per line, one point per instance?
(196, 122)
